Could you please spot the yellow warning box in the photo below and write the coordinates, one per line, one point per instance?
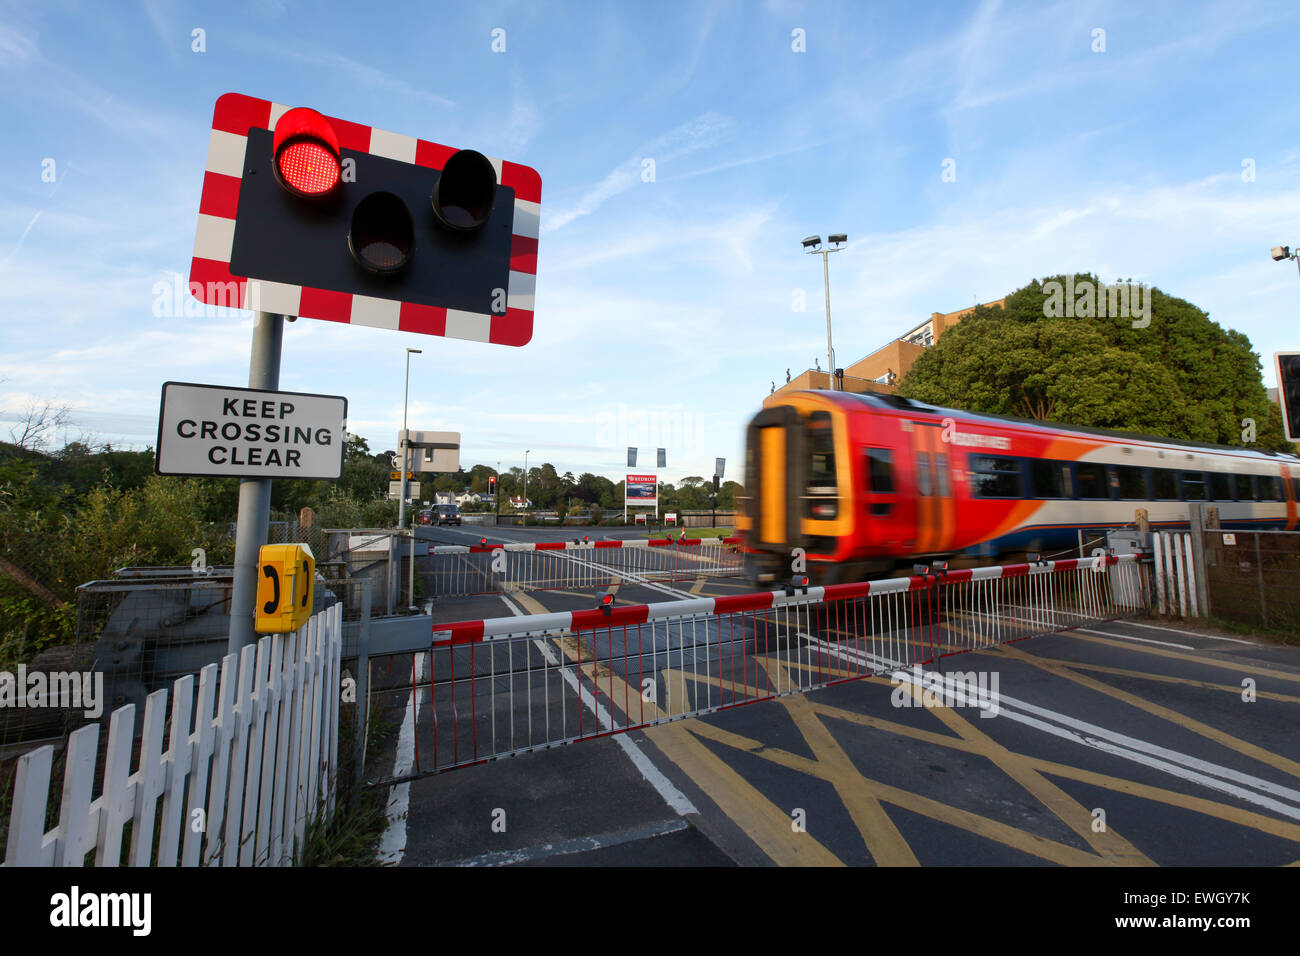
(285, 577)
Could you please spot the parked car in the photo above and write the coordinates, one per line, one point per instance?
(448, 514)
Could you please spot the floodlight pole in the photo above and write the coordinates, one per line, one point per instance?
(254, 515)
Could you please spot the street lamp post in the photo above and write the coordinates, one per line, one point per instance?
(401, 502)
(496, 498)
(810, 246)
(526, 453)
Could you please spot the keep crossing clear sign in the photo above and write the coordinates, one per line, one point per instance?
(250, 433)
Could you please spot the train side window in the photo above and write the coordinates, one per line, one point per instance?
(1050, 479)
(1092, 481)
(941, 467)
(924, 482)
(995, 477)
(1165, 481)
(1270, 488)
(1295, 487)
(1220, 486)
(880, 471)
(1245, 487)
(1132, 483)
(1194, 485)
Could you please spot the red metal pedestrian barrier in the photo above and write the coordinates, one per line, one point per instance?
(485, 689)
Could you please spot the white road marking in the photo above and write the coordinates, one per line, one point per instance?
(1175, 630)
(1244, 786)
(1131, 637)
(392, 846)
(677, 800)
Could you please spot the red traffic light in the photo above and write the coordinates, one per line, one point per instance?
(306, 152)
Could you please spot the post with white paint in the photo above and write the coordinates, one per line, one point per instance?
(1157, 541)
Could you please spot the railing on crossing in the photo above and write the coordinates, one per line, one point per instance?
(455, 570)
(481, 690)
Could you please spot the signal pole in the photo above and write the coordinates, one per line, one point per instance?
(254, 515)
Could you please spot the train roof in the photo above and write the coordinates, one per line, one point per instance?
(898, 403)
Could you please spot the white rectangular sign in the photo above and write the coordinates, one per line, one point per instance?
(395, 489)
(431, 452)
(249, 432)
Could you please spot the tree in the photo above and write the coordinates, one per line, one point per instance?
(39, 423)
(1181, 376)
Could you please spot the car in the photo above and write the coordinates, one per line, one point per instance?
(425, 517)
(448, 514)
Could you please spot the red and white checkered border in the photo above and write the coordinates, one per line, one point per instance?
(212, 282)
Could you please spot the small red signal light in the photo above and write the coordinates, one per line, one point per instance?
(607, 599)
(482, 541)
(306, 153)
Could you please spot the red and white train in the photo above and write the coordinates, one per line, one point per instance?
(867, 483)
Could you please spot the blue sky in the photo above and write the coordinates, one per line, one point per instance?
(664, 308)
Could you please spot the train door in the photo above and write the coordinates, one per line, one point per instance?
(775, 481)
(936, 510)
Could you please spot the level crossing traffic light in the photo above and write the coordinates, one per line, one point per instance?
(1288, 392)
(308, 215)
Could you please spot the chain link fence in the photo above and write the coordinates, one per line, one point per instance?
(1254, 578)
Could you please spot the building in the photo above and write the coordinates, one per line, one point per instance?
(882, 370)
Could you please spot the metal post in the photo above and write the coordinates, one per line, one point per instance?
(1259, 577)
(363, 686)
(410, 575)
(830, 350)
(254, 514)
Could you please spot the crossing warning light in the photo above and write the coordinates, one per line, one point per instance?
(308, 215)
(1288, 392)
(285, 581)
(492, 484)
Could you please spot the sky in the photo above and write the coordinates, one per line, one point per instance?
(964, 148)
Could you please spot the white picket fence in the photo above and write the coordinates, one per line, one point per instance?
(237, 785)
(1174, 567)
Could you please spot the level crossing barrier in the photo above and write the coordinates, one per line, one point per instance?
(485, 689)
(457, 570)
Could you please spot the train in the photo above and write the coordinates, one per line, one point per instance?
(866, 484)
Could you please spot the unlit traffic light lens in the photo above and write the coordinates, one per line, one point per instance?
(382, 234)
(463, 195)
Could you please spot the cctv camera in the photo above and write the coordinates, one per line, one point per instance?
(1281, 252)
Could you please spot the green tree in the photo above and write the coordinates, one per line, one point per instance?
(1181, 376)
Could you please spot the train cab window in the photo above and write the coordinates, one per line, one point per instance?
(1051, 479)
(1194, 485)
(1092, 481)
(1221, 486)
(941, 470)
(880, 480)
(1132, 483)
(1270, 487)
(1165, 484)
(924, 476)
(995, 477)
(821, 495)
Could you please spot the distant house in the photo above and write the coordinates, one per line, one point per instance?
(467, 497)
(521, 502)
